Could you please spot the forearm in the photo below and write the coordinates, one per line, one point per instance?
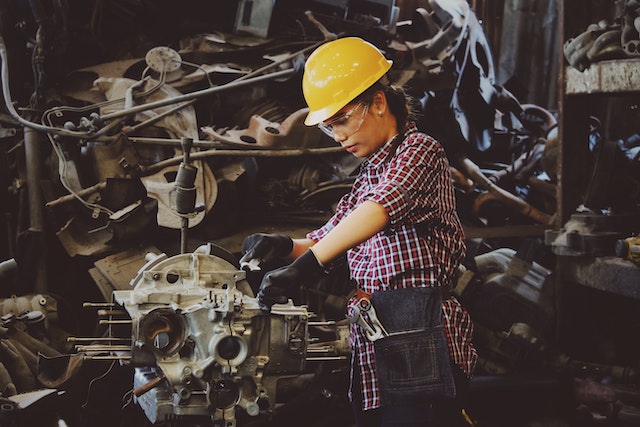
(365, 221)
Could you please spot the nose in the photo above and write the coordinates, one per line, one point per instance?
(339, 137)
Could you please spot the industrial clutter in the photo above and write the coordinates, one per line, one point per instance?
(142, 142)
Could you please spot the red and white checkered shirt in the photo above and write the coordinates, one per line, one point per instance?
(422, 245)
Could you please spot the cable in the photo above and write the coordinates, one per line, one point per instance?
(98, 378)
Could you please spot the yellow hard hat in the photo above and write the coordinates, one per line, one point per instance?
(337, 72)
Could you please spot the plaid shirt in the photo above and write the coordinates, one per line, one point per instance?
(421, 246)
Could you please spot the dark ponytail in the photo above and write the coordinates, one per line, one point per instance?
(402, 105)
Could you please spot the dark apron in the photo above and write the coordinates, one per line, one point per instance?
(413, 363)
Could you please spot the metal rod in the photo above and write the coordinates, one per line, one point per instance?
(84, 348)
(33, 161)
(325, 359)
(198, 94)
(148, 386)
(89, 357)
(248, 153)
(104, 312)
(115, 322)
(81, 193)
(98, 304)
(323, 349)
(98, 339)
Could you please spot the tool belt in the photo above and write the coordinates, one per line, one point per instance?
(412, 358)
(444, 291)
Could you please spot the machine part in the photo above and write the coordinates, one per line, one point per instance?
(163, 59)
(442, 28)
(115, 160)
(470, 169)
(201, 345)
(575, 49)
(630, 36)
(162, 189)
(606, 46)
(519, 286)
(43, 303)
(610, 274)
(520, 349)
(8, 270)
(629, 248)
(454, 63)
(591, 233)
(261, 133)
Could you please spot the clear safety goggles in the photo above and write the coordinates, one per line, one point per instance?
(345, 123)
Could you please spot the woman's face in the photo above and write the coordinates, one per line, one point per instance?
(362, 128)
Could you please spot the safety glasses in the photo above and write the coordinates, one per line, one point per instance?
(345, 123)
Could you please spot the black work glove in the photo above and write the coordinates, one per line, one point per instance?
(279, 284)
(264, 249)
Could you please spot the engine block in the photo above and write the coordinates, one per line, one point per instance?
(201, 344)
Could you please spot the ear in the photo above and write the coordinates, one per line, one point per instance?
(379, 102)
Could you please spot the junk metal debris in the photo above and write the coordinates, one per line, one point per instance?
(185, 128)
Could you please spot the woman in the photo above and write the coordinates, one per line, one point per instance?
(403, 241)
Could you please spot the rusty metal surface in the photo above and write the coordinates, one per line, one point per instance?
(609, 274)
(614, 76)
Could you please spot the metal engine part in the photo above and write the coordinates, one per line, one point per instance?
(630, 36)
(202, 346)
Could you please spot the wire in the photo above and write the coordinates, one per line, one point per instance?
(127, 399)
(86, 402)
(63, 171)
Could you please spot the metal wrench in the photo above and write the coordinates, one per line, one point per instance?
(372, 328)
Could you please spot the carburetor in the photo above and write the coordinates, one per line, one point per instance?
(201, 346)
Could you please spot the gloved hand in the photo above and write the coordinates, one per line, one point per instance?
(264, 249)
(279, 284)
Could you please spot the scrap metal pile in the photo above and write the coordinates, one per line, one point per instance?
(136, 131)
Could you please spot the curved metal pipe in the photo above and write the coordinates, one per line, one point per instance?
(493, 192)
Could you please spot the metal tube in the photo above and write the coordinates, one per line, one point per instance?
(115, 322)
(32, 160)
(247, 153)
(198, 94)
(83, 348)
(89, 357)
(325, 359)
(36, 203)
(97, 339)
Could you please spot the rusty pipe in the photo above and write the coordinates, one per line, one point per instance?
(461, 180)
(493, 192)
(32, 159)
(33, 156)
(148, 386)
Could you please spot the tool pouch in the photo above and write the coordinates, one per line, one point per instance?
(413, 362)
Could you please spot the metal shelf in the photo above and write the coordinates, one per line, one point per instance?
(605, 77)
